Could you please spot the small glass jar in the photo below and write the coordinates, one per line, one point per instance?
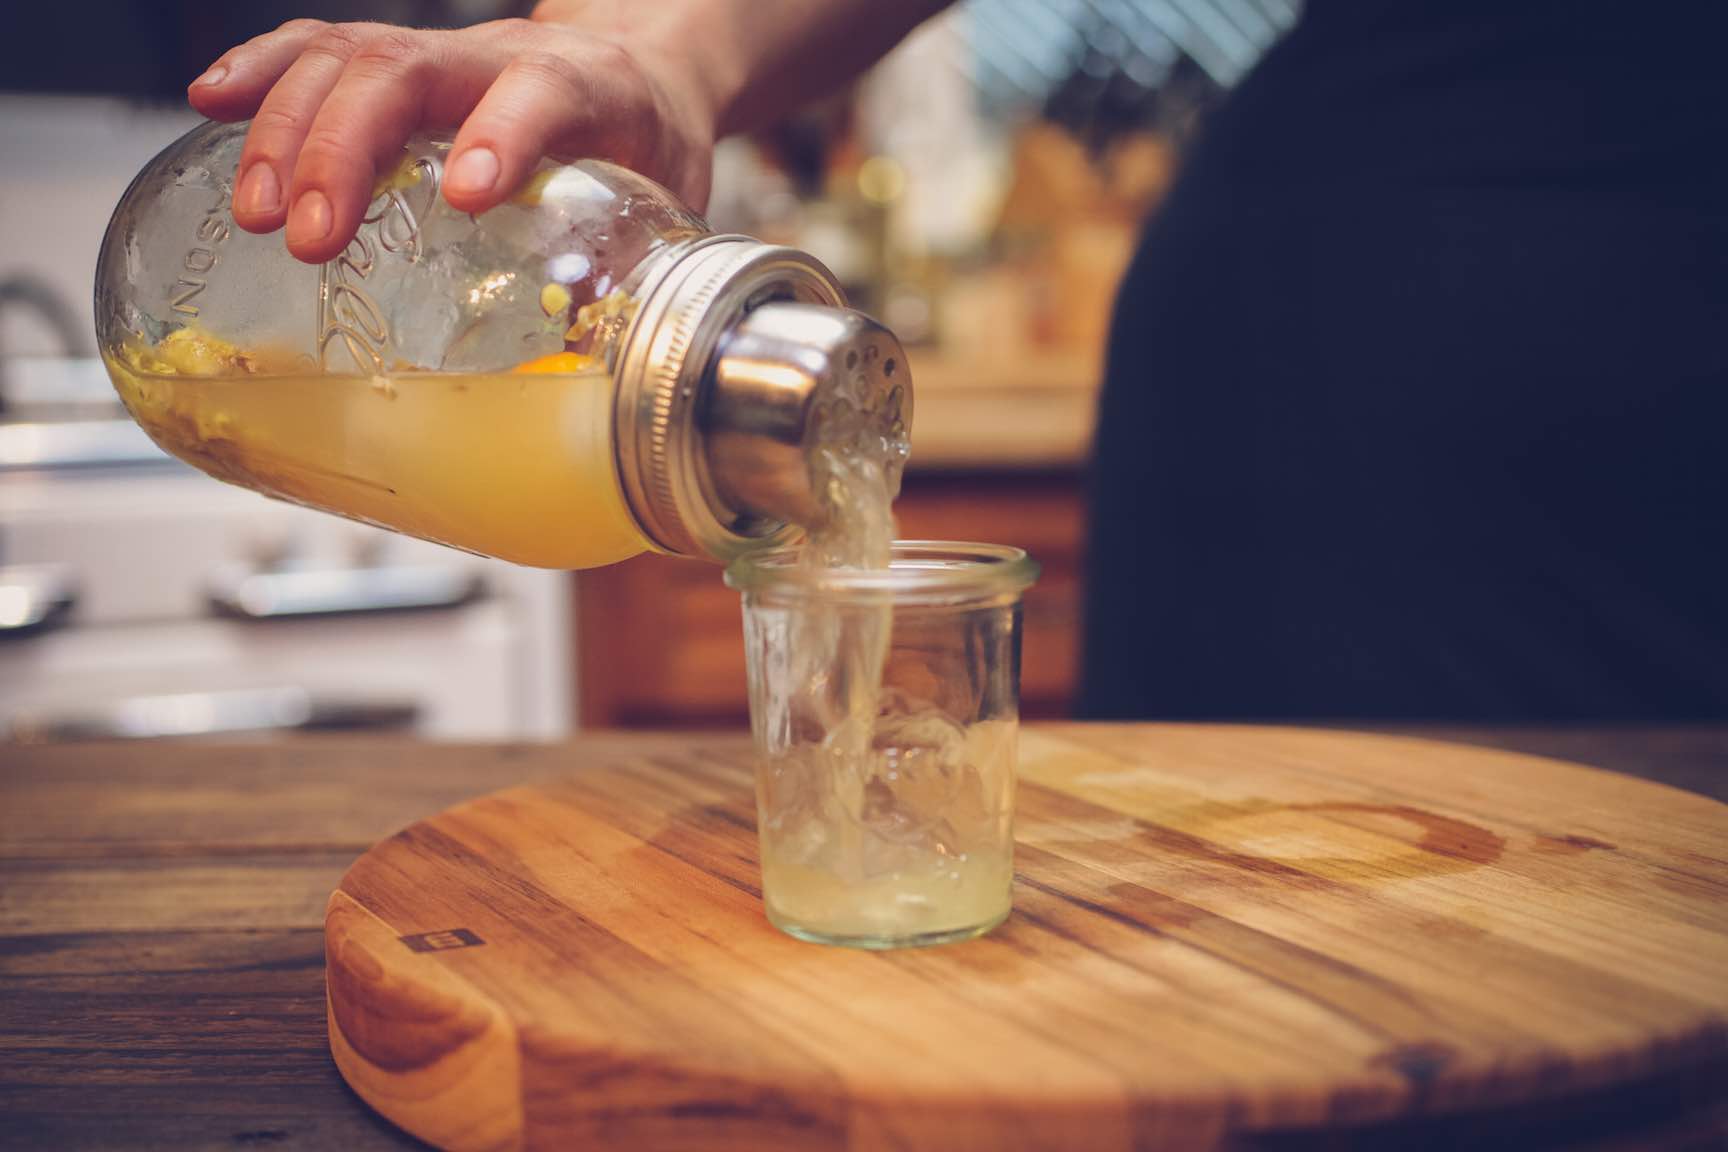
(885, 709)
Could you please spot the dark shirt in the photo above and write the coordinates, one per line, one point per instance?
(1417, 398)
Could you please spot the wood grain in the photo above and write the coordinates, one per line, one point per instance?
(161, 931)
(208, 1031)
(1221, 936)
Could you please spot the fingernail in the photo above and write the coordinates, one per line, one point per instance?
(260, 193)
(215, 76)
(473, 172)
(309, 221)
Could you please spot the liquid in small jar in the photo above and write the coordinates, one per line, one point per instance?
(885, 812)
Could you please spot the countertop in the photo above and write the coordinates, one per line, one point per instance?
(161, 910)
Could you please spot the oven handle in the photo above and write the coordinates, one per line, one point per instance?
(248, 594)
(35, 598)
(226, 712)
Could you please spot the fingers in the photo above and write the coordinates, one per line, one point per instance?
(282, 122)
(337, 116)
(332, 105)
(233, 87)
(542, 102)
(357, 132)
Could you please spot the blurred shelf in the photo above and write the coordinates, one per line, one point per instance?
(1031, 412)
(1065, 371)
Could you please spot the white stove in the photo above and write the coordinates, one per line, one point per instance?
(139, 597)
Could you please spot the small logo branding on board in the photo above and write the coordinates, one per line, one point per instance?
(443, 941)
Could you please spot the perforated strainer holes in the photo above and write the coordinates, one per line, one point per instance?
(888, 366)
(851, 359)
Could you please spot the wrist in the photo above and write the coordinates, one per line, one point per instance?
(685, 46)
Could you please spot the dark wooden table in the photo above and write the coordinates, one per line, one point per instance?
(161, 946)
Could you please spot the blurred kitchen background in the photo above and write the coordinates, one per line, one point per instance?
(981, 191)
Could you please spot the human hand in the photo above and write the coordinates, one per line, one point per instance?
(332, 104)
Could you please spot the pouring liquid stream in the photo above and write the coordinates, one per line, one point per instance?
(883, 816)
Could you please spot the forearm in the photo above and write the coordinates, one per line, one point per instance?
(753, 59)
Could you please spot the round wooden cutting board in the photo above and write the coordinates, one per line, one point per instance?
(1218, 932)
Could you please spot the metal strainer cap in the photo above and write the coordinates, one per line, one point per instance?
(733, 345)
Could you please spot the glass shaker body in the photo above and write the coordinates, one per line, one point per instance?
(529, 384)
